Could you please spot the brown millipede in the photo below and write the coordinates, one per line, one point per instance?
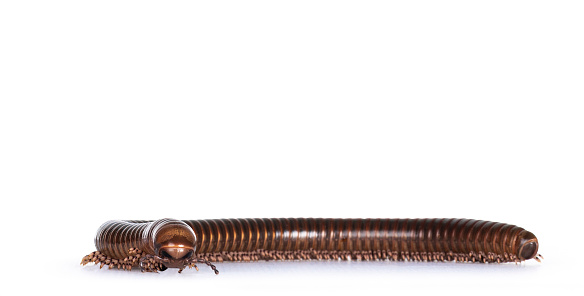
(170, 243)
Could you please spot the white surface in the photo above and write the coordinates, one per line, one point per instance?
(144, 110)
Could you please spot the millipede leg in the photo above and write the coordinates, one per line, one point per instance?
(102, 259)
(150, 263)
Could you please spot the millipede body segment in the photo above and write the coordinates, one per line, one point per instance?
(170, 243)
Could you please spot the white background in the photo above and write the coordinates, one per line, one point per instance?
(152, 109)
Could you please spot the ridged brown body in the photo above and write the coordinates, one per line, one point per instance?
(394, 237)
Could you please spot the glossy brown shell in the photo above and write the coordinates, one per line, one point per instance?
(424, 239)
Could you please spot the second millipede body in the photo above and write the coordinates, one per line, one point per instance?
(170, 243)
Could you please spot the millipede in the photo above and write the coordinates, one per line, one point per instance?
(157, 245)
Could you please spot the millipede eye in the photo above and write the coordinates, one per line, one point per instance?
(165, 254)
(189, 254)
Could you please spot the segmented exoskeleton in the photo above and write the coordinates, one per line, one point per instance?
(169, 243)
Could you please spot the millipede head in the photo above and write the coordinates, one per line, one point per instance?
(175, 244)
